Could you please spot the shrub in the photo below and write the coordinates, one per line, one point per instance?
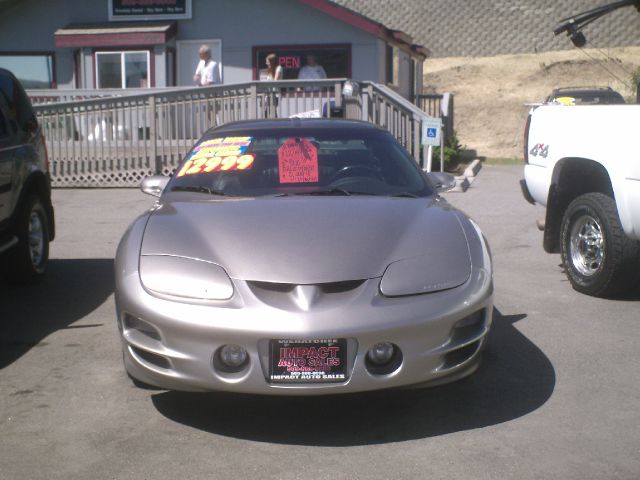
(452, 153)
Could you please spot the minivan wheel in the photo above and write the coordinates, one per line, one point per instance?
(30, 258)
(598, 258)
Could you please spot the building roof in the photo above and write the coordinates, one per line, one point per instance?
(454, 28)
(367, 24)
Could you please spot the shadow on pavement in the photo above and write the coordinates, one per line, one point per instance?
(70, 290)
(516, 378)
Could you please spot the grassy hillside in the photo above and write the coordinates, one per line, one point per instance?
(491, 93)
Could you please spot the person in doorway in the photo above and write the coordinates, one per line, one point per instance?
(274, 70)
(207, 71)
(312, 70)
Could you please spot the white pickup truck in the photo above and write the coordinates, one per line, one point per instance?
(583, 165)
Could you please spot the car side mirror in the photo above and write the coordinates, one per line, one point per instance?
(441, 181)
(154, 185)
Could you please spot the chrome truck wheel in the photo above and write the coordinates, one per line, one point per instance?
(597, 256)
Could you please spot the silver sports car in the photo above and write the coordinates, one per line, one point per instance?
(301, 257)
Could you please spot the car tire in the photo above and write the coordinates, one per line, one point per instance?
(598, 258)
(28, 260)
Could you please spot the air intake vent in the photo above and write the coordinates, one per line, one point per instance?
(327, 288)
(305, 297)
(273, 287)
(152, 358)
(340, 287)
(461, 355)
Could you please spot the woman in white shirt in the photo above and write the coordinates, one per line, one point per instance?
(274, 71)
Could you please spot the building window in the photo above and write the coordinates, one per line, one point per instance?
(334, 59)
(34, 70)
(392, 65)
(128, 69)
(413, 78)
(388, 65)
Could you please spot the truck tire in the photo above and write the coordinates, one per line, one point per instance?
(28, 260)
(598, 258)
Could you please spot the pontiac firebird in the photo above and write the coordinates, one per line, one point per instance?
(301, 257)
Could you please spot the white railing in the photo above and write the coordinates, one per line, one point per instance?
(118, 137)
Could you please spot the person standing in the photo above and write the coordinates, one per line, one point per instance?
(274, 71)
(312, 70)
(207, 71)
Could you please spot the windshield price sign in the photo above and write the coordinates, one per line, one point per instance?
(298, 161)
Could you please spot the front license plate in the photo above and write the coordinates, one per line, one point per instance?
(308, 361)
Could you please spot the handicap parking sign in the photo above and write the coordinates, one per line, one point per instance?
(431, 131)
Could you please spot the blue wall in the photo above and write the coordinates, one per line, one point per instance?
(241, 24)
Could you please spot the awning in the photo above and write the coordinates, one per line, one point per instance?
(110, 35)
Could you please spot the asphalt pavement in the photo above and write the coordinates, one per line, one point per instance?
(557, 396)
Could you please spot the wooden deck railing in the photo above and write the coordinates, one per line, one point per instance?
(98, 138)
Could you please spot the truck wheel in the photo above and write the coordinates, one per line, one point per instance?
(28, 261)
(598, 258)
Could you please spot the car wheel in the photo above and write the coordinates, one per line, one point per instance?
(598, 258)
(29, 260)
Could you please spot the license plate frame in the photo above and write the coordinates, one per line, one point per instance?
(308, 361)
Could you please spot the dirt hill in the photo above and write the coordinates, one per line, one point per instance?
(491, 93)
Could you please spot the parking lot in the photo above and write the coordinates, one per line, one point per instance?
(557, 396)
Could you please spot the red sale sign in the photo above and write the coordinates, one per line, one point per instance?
(298, 161)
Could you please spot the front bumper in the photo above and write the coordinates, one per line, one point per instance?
(177, 351)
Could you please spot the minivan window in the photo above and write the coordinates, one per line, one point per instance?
(16, 99)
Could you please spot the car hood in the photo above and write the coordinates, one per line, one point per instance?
(308, 240)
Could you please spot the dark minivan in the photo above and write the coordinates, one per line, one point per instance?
(26, 212)
(586, 96)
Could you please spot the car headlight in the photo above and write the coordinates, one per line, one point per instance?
(426, 274)
(185, 277)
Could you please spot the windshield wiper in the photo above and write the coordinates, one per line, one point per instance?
(333, 191)
(330, 191)
(197, 189)
(405, 194)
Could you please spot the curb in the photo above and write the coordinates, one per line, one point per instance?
(473, 168)
(464, 181)
(461, 184)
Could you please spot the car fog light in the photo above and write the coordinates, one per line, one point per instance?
(233, 356)
(381, 353)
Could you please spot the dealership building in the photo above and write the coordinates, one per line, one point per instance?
(79, 44)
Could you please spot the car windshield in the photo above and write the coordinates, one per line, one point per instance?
(300, 161)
